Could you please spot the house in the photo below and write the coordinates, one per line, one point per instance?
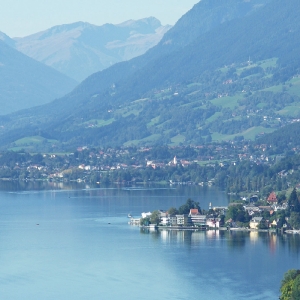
(213, 222)
(165, 221)
(272, 199)
(255, 222)
(251, 209)
(274, 224)
(145, 215)
(163, 213)
(265, 208)
(173, 220)
(182, 220)
(196, 218)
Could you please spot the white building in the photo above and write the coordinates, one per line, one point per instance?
(213, 222)
(145, 215)
(196, 218)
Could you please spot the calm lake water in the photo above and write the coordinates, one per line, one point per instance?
(57, 242)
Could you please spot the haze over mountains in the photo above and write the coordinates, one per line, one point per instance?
(25, 82)
(80, 49)
(189, 88)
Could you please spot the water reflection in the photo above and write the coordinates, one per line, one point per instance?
(39, 185)
(291, 241)
(235, 240)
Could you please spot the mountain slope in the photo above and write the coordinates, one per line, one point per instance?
(25, 82)
(178, 92)
(80, 49)
(203, 17)
(7, 40)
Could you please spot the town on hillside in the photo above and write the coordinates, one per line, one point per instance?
(235, 166)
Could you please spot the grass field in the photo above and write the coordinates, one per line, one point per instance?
(32, 140)
(153, 122)
(263, 64)
(268, 63)
(295, 88)
(150, 139)
(28, 143)
(230, 102)
(213, 117)
(292, 111)
(274, 89)
(248, 134)
(176, 140)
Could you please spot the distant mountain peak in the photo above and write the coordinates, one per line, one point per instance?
(80, 49)
(150, 21)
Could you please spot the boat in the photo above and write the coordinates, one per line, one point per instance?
(129, 216)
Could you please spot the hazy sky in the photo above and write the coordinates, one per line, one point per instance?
(23, 17)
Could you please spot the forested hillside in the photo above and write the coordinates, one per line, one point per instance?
(238, 79)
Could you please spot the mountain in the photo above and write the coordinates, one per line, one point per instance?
(25, 82)
(80, 49)
(6, 39)
(203, 17)
(233, 78)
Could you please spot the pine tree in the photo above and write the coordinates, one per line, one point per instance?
(294, 201)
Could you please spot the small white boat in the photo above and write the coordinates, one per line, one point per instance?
(129, 216)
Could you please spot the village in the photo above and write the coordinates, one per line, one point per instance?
(269, 217)
(89, 164)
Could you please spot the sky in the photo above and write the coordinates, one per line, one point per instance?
(20, 18)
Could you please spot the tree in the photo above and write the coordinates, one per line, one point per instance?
(286, 290)
(281, 197)
(294, 201)
(172, 211)
(295, 220)
(287, 284)
(155, 217)
(296, 288)
(237, 213)
(190, 204)
(145, 221)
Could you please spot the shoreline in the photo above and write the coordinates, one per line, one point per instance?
(178, 228)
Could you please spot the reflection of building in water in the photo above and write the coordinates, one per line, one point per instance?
(198, 236)
(213, 234)
(272, 243)
(180, 236)
(253, 236)
(164, 235)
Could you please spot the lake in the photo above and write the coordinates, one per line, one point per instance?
(61, 241)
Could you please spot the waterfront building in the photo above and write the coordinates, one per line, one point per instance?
(182, 220)
(135, 222)
(254, 223)
(196, 219)
(213, 222)
(165, 221)
(173, 220)
(145, 215)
